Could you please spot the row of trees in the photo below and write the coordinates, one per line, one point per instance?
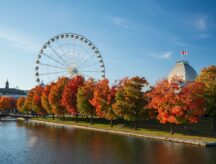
(131, 99)
(76, 96)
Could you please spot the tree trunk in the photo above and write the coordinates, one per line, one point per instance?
(111, 123)
(63, 116)
(77, 118)
(91, 117)
(136, 123)
(53, 116)
(44, 116)
(214, 122)
(171, 129)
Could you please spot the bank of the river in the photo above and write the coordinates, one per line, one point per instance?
(161, 135)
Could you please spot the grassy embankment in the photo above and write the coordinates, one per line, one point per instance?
(202, 131)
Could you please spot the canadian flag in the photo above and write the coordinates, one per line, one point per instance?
(184, 52)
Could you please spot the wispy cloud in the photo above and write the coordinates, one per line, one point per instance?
(164, 55)
(201, 23)
(121, 22)
(18, 39)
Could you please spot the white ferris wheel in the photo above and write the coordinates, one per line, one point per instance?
(68, 54)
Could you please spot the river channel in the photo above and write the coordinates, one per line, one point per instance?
(32, 143)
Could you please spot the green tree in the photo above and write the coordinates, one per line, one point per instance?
(130, 100)
(84, 95)
(208, 77)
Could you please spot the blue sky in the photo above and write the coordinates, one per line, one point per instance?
(142, 37)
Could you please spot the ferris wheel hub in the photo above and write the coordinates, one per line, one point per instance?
(72, 71)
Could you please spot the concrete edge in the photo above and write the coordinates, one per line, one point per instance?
(185, 141)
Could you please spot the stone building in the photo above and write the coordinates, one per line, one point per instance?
(12, 92)
(184, 70)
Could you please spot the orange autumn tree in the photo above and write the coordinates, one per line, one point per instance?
(130, 100)
(84, 95)
(12, 102)
(176, 103)
(20, 104)
(55, 97)
(208, 77)
(28, 102)
(7, 103)
(36, 103)
(103, 99)
(69, 96)
(45, 99)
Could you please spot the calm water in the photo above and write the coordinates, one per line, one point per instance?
(22, 143)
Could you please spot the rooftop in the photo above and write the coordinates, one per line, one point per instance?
(184, 70)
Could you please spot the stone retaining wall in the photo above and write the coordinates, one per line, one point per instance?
(187, 141)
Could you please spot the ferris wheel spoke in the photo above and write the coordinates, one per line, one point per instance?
(50, 57)
(51, 73)
(61, 47)
(86, 60)
(89, 76)
(59, 56)
(90, 65)
(63, 75)
(81, 54)
(91, 71)
(77, 54)
(48, 65)
(70, 56)
(86, 75)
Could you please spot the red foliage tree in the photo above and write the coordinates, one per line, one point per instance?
(36, 103)
(176, 103)
(55, 97)
(69, 97)
(45, 99)
(103, 99)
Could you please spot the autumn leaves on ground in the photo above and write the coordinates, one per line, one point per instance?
(131, 101)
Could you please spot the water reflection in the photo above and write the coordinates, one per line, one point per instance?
(36, 143)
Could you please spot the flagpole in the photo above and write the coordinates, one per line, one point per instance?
(183, 53)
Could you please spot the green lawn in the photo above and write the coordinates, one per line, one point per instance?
(201, 131)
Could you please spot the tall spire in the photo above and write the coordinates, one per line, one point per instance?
(7, 84)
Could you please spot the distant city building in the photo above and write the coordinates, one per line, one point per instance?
(184, 70)
(12, 92)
